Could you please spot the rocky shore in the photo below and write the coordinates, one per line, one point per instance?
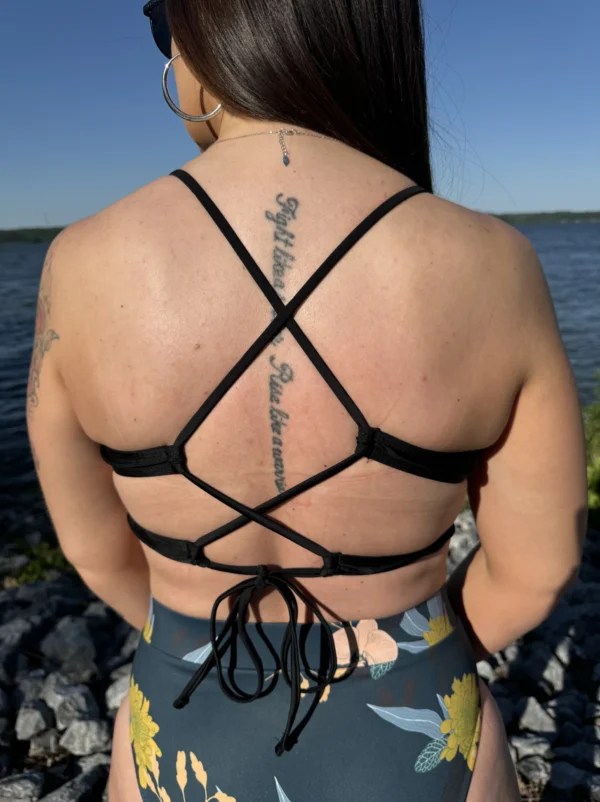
(65, 660)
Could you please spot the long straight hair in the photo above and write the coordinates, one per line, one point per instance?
(351, 69)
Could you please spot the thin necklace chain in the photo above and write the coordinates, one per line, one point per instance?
(282, 132)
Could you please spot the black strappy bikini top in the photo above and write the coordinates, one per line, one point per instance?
(372, 443)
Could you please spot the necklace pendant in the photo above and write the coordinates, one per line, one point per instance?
(286, 160)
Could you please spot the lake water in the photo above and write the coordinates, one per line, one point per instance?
(570, 254)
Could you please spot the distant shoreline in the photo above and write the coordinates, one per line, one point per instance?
(37, 235)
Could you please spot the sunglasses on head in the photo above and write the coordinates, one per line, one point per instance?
(156, 11)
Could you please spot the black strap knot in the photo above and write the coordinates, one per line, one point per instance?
(176, 458)
(197, 556)
(365, 440)
(262, 577)
(331, 563)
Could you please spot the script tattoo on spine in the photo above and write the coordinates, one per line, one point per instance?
(281, 373)
(44, 335)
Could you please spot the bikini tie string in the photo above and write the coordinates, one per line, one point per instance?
(288, 660)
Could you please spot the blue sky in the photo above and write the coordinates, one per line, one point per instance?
(514, 98)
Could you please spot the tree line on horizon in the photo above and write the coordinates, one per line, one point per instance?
(38, 235)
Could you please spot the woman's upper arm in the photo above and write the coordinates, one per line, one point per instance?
(529, 496)
(88, 516)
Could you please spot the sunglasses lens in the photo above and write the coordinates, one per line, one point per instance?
(157, 12)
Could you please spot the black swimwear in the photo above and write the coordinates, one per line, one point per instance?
(372, 443)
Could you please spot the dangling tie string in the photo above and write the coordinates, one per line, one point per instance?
(289, 657)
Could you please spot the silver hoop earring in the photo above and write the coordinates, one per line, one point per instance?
(202, 118)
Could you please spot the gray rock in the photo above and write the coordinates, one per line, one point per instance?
(592, 712)
(85, 787)
(45, 745)
(117, 692)
(485, 671)
(536, 719)
(593, 788)
(569, 707)
(130, 644)
(534, 769)
(8, 664)
(89, 762)
(570, 733)
(19, 633)
(563, 650)
(507, 709)
(33, 538)
(77, 703)
(5, 705)
(33, 718)
(69, 638)
(584, 756)
(591, 646)
(566, 777)
(463, 541)
(531, 746)
(554, 674)
(97, 608)
(86, 737)
(30, 685)
(121, 671)
(4, 765)
(79, 669)
(53, 690)
(25, 787)
(12, 565)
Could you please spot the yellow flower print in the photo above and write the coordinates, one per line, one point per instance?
(147, 631)
(141, 732)
(305, 684)
(439, 628)
(475, 745)
(181, 772)
(202, 777)
(464, 723)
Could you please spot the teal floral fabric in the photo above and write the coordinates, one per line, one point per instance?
(404, 725)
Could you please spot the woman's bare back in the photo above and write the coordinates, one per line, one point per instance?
(417, 323)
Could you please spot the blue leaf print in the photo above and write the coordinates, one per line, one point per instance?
(430, 756)
(199, 655)
(378, 670)
(414, 623)
(414, 647)
(426, 722)
(445, 712)
(280, 794)
(435, 606)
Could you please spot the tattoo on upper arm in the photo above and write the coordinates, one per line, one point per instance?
(281, 374)
(44, 335)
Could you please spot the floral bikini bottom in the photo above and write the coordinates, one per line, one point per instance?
(404, 725)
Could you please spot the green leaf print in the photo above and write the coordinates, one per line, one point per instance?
(430, 756)
(378, 670)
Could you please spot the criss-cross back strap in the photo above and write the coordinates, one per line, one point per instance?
(285, 311)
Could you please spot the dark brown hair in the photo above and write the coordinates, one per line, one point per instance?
(350, 69)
